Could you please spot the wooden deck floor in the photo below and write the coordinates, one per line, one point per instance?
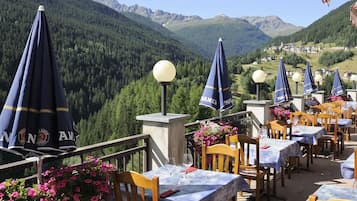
(304, 182)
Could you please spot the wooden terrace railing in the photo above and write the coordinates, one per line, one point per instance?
(128, 153)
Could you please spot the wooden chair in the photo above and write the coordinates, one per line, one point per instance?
(338, 103)
(306, 120)
(354, 119)
(252, 171)
(347, 114)
(330, 123)
(303, 118)
(221, 155)
(319, 108)
(134, 182)
(355, 164)
(312, 198)
(338, 112)
(279, 131)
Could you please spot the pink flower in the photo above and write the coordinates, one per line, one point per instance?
(88, 181)
(93, 173)
(31, 192)
(52, 191)
(15, 194)
(66, 199)
(1, 194)
(77, 189)
(2, 186)
(94, 198)
(76, 197)
(62, 183)
(42, 188)
(104, 188)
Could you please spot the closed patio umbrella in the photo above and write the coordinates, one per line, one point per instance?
(337, 87)
(217, 93)
(35, 117)
(282, 93)
(309, 84)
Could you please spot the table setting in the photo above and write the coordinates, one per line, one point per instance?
(178, 182)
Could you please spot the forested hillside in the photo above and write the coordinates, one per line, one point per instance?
(240, 37)
(147, 22)
(117, 117)
(335, 27)
(98, 50)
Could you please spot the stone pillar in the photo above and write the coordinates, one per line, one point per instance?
(167, 137)
(352, 93)
(319, 95)
(261, 111)
(299, 102)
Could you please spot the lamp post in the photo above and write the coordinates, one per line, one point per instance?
(353, 78)
(258, 77)
(297, 78)
(318, 80)
(164, 72)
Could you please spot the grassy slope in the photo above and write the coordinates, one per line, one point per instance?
(272, 68)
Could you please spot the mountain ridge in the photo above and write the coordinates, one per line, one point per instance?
(271, 25)
(201, 35)
(159, 16)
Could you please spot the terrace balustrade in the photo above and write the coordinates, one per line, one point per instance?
(128, 153)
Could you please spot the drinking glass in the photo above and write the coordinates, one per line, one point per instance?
(295, 120)
(170, 164)
(354, 186)
(187, 160)
(170, 161)
(263, 132)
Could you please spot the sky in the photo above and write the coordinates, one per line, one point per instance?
(301, 13)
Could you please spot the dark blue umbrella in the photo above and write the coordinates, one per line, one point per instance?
(337, 87)
(309, 84)
(217, 93)
(282, 91)
(35, 117)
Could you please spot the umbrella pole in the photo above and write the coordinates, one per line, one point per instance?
(39, 169)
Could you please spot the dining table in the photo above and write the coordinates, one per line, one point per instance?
(335, 192)
(347, 167)
(275, 152)
(352, 104)
(197, 184)
(341, 122)
(307, 136)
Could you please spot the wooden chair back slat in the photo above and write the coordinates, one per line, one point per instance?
(244, 154)
(277, 130)
(303, 118)
(355, 164)
(329, 122)
(312, 198)
(221, 155)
